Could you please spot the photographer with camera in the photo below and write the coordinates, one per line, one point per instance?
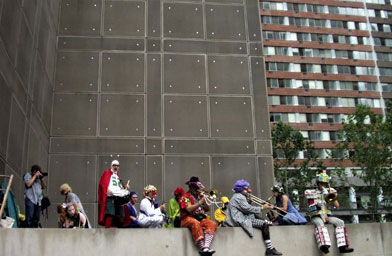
(34, 185)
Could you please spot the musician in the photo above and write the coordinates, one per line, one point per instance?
(321, 215)
(149, 216)
(220, 213)
(193, 207)
(291, 215)
(110, 185)
(241, 213)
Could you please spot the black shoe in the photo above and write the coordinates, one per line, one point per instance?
(206, 252)
(211, 251)
(345, 249)
(272, 251)
(324, 249)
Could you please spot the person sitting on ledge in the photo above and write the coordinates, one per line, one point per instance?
(193, 208)
(289, 215)
(220, 213)
(132, 210)
(241, 213)
(318, 201)
(149, 216)
(173, 211)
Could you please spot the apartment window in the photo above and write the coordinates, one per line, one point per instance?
(274, 100)
(386, 28)
(386, 87)
(269, 50)
(337, 24)
(275, 117)
(296, 67)
(353, 40)
(362, 26)
(364, 86)
(388, 42)
(331, 102)
(347, 102)
(346, 85)
(330, 85)
(344, 69)
(287, 100)
(364, 71)
(282, 51)
(272, 82)
(302, 118)
(341, 54)
(319, 135)
(351, 25)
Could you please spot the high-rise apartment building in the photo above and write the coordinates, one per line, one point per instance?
(323, 58)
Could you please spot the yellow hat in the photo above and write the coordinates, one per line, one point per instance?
(224, 199)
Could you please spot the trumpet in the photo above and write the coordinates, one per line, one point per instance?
(262, 202)
(331, 196)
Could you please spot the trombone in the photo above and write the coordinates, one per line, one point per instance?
(262, 202)
(210, 196)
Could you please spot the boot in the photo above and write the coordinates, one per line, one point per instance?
(206, 252)
(324, 249)
(345, 249)
(272, 251)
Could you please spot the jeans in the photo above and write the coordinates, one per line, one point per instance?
(33, 213)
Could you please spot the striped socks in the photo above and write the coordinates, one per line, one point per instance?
(208, 240)
(268, 244)
(200, 244)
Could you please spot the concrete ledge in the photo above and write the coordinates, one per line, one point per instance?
(367, 239)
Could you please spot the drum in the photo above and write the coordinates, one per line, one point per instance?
(121, 197)
(121, 200)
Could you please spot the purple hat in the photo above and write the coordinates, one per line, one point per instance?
(240, 185)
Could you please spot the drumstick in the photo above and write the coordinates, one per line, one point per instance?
(127, 184)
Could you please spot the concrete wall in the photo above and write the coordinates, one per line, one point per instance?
(367, 239)
(172, 89)
(27, 63)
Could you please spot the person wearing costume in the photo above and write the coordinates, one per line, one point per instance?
(149, 216)
(72, 198)
(173, 211)
(241, 213)
(283, 202)
(193, 208)
(110, 186)
(132, 210)
(321, 215)
(220, 213)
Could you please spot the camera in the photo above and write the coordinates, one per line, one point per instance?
(44, 174)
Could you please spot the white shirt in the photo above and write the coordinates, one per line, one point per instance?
(147, 208)
(114, 184)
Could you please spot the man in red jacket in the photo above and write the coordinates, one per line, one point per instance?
(109, 184)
